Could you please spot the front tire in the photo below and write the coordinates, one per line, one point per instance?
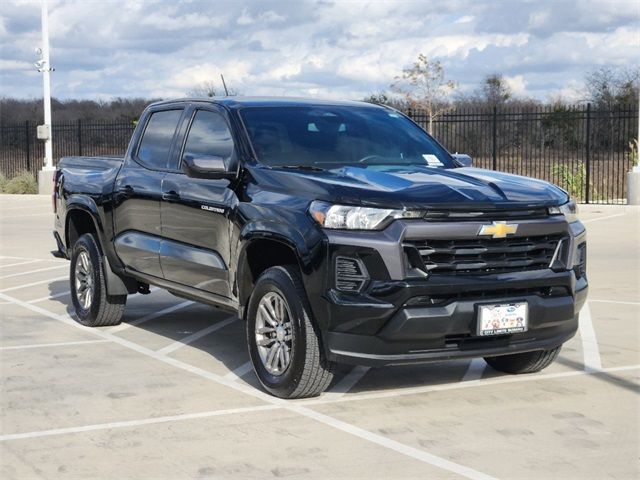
(94, 307)
(284, 345)
(527, 362)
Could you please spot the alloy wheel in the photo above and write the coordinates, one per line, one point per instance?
(84, 280)
(273, 331)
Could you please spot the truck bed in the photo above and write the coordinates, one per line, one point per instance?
(94, 176)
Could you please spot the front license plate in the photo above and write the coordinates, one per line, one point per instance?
(502, 318)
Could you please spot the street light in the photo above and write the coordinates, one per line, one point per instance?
(45, 176)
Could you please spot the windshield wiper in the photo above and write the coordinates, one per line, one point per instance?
(311, 168)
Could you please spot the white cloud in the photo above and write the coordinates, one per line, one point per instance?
(339, 49)
(517, 84)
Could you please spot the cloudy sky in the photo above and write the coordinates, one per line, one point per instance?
(335, 49)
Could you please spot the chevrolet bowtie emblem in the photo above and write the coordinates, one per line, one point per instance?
(498, 229)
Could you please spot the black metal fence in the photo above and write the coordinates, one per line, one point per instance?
(21, 150)
(582, 149)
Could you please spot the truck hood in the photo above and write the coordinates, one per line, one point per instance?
(413, 186)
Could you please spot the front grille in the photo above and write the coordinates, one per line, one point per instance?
(484, 255)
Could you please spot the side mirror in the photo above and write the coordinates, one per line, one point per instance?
(463, 159)
(205, 166)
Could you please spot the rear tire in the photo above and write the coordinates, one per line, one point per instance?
(284, 344)
(527, 362)
(94, 307)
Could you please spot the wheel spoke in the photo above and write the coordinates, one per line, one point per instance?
(287, 355)
(265, 342)
(272, 355)
(267, 316)
(273, 311)
(265, 329)
(281, 359)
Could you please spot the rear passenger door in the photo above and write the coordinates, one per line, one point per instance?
(195, 225)
(138, 192)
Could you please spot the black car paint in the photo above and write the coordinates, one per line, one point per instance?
(201, 251)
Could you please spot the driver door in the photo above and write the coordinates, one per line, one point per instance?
(195, 224)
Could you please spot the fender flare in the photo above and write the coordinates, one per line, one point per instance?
(116, 284)
(271, 231)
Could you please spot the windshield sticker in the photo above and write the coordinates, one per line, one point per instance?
(432, 160)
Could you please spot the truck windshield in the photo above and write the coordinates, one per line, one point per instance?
(336, 136)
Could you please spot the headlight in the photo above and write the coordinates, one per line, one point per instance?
(356, 218)
(569, 210)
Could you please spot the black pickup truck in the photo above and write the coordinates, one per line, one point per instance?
(339, 231)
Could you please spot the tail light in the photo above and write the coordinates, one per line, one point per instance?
(54, 190)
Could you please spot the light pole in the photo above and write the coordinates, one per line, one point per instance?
(45, 176)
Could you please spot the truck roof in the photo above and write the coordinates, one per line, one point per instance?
(239, 102)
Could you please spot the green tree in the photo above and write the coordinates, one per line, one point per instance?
(495, 90)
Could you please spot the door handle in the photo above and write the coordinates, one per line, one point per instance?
(126, 190)
(171, 195)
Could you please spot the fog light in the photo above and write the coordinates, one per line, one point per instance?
(351, 274)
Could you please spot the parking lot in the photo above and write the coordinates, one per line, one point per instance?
(169, 393)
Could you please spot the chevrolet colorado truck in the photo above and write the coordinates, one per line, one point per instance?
(341, 232)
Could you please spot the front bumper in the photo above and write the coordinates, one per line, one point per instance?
(423, 334)
(398, 319)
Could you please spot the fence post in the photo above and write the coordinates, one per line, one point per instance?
(494, 148)
(587, 155)
(79, 138)
(27, 144)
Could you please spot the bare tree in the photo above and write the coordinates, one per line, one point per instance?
(205, 89)
(608, 87)
(385, 98)
(424, 87)
(210, 89)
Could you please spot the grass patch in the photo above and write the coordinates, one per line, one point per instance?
(3, 182)
(22, 183)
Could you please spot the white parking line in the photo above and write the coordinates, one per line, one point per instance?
(50, 297)
(48, 259)
(348, 382)
(615, 301)
(18, 287)
(151, 316)
(195, 336)
(392, 393)
(22, 216)
(386, 442)
(19, 263)
(135, 423)
(603, 218)
(475, 370)
(326, 420)
(590, 349)
(59, 344)
(19, 258)
(239, 372)
(33, 271)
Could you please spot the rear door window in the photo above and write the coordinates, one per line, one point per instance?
(155, 144)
